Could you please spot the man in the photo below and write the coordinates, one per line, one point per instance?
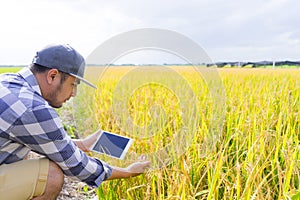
(29, 122)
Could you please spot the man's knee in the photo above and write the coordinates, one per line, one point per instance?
(55, 174)
(54, 183)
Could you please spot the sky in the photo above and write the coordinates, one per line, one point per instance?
(231, 30)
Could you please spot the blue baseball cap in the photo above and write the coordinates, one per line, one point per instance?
(64, 58)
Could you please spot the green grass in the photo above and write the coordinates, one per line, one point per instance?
(9, 69)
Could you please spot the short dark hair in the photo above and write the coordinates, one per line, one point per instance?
(37, 69)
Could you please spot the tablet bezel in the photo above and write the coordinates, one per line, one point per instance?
(125, 150)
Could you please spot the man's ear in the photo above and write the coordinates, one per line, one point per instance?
(52, 75)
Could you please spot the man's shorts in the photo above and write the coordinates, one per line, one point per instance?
(24, 179)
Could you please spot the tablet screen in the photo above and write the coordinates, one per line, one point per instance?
(112, 145)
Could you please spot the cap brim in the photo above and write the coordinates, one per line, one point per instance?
(85, 81)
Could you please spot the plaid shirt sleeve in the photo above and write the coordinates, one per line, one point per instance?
(41, 130)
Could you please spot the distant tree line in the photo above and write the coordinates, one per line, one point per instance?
(256, 64)
(218, 64)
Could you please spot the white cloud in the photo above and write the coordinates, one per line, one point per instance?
(228, 30)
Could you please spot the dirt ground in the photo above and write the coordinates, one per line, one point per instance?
(75, 190)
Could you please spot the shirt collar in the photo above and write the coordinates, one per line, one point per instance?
(30, 79)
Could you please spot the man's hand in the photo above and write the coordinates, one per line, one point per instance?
(86, 143)
(139, 166)
(132, 170)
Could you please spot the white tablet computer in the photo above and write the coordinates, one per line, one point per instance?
(112, 144)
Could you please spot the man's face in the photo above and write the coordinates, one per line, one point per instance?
(62, 92)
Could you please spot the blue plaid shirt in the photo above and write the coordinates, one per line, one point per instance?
(28, 122)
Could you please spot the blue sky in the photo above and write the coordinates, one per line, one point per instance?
(227, 30)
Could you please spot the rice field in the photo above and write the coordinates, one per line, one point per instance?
(255, 156)
(247, 148)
